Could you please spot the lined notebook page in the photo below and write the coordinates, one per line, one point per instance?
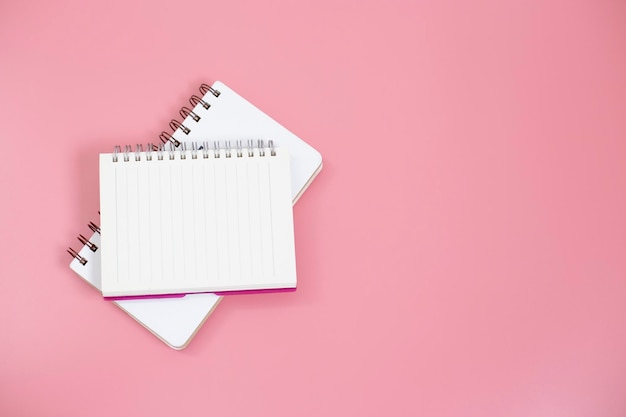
(196, 221)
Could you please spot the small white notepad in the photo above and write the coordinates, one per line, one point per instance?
(212, 217)
(174, 320)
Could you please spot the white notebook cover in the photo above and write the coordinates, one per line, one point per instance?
(230, 117)
(173, 320)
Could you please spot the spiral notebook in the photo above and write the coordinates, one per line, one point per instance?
(173, 320)
(218, 113)
(215, 216)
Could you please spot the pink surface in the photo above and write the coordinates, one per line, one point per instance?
(463, 252)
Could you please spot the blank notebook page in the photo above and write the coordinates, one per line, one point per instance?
(184, 221)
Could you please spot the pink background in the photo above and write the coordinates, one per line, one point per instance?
(463, 252)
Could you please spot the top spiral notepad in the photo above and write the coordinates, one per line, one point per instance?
(199, 218)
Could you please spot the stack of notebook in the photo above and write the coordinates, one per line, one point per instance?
(203, 213)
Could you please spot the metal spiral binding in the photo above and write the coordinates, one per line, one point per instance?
(86, 242)
(175, 124)
(94, 227)
(239, 149)
(75, 255)
(195, 100)
(166, 137)
(227, 150)
(205, 88)
(116, 152)
(185, 112)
